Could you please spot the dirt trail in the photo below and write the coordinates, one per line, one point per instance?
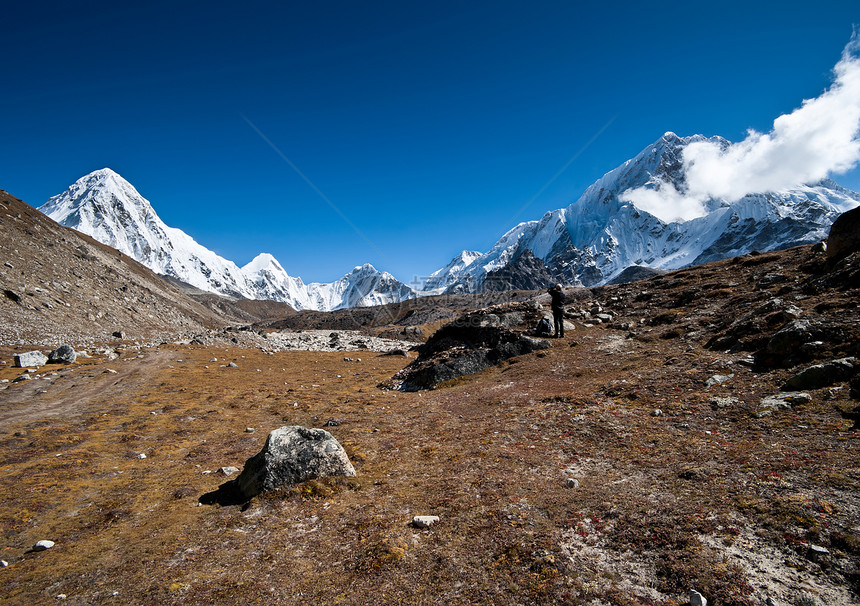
(73, 390)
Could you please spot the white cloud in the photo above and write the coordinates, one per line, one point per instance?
(818, 139)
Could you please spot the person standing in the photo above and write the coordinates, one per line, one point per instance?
(557, 306)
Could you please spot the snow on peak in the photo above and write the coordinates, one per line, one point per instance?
(260, 262)
(612, 226)
(108, 208)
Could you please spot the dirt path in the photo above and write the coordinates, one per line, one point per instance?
(65, 391)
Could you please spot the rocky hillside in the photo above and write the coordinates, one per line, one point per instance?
(61, 285)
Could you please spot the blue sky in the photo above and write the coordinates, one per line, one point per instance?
(427, 125)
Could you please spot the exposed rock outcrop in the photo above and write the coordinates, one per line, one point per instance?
(844, 237)
(472, 343)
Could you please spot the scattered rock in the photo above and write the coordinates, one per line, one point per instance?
(781, 401)
(424, 522)
(291, 455)
(723, 402)
(697, 599)
(232, 365)
(572, 483)
(118, 334)
(823, 375)
(43, 545)
(656, 413)
(20, 378)
(30, 358)
(718, 379)
(250, 430)
(141, 455)
(4, 564)
(227, 471)
(64, 354)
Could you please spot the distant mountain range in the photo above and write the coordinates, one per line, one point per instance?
(107, 207)
(590, 242)
(599, 236)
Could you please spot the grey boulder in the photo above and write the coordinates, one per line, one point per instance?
(64, 354)
(292, 455)
(30, 358)
(823, 375)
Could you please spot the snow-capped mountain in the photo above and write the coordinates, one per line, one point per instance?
(108, 208)
(604, 232)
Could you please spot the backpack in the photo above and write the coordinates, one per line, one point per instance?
(544, 328)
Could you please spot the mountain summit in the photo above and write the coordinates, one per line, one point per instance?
(108, 208)
(613, 226)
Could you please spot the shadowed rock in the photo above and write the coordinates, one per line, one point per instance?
(64, 354)
(844, 237)
(472, 343)
(291, 455)
(30, 358)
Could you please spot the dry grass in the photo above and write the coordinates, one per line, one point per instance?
(700, 496)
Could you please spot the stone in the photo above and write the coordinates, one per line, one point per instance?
(232, 365)
(43, 545)
(20, 378)
(4, 564)
(781, 401)
(789, 338)
(141, 455)
(424, 522)
(227, 470)
(30, 358)
(718, 379)
(723, 402)
(292, 455)
(844, 237)
(823, 375)
(118, 334)
(64, 354)
(697, 599)
(572, 483)
(656, 413)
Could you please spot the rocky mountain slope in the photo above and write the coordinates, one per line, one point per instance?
(59, 284)
(594, 239)
(107, 207)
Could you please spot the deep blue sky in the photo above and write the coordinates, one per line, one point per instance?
(429, 125)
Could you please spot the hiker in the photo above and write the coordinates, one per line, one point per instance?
(557, 306)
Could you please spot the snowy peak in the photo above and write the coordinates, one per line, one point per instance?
(108, 208)
(646, 213)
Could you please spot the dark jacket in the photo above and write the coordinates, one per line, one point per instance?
(557, 299)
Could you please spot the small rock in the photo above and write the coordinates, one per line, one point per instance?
(43, 545)
(718, 379)
(816, 551)
(20, 378)
(3, 563)
(697, 599)
(232, 365)
(656, 413)
(118, 334)
(214, 360)
(424, 522)
(228, 471)
(723, 402)
(141, 456)
(249, 430)
(572, 483)
(110, 370)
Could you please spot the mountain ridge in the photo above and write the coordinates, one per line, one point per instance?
(108, 208)
(601, 234)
